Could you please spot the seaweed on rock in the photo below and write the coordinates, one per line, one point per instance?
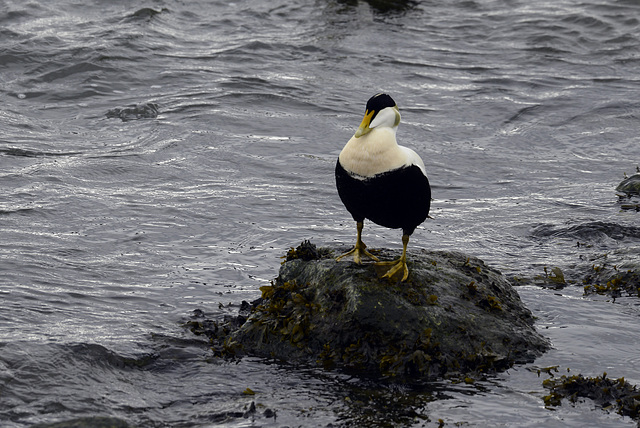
(454, 316)
(605, 392)
(612, 281)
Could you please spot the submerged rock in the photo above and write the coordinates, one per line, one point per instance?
(140, 111)
(454, 316)
(613, 280)
(607, 393)
(629, 193)
(630, 186)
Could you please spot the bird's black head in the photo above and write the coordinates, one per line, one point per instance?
(376, 104)
(379, 102)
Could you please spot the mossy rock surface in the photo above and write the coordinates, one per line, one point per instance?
(629, 193)
(454, 316)
(630, 185)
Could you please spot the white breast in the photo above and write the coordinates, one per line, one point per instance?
(377, 152)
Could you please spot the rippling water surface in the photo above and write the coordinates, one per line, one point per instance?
(159, 157)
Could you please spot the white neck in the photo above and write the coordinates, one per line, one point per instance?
(389, 116)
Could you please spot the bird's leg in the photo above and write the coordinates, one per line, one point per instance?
(360, 249)
(398, 264)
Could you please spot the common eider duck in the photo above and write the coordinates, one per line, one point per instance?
(381, 181)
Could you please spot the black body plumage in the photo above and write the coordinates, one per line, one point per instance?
(400, 198)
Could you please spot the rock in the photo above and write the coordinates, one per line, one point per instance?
(617, 394)
(630, 186)
(140, 111)
(454, 316)
(629, 193)
(613, 280)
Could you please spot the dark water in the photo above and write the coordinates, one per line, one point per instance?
(159, 157)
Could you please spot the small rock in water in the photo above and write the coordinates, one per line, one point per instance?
(630, 186)
(608, 393)
(454, 316)
(141, 111)
(629, 193)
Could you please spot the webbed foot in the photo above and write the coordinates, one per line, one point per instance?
(359, 251)
(396, 266)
